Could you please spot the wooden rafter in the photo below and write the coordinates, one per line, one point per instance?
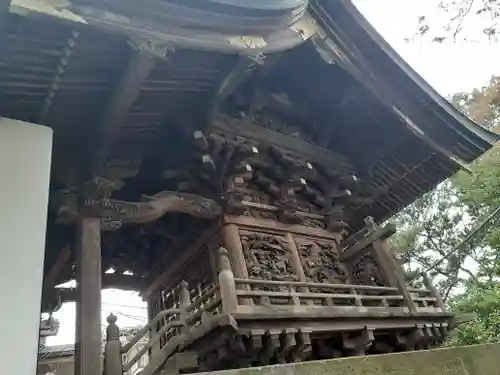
(140, 64)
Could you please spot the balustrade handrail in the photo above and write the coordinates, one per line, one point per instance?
(303, 284)
(197, 303)
(175, 324)
(144, 330)
(196, 315)
(204, 297)
(309, 295)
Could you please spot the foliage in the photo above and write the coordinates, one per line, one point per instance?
(480, 17)
(482, 105)
(428, 230)
(433, 229)
(484, 300)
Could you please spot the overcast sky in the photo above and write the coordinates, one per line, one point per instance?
(450, 67)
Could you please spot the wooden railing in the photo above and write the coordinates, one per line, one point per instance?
(266, 292)
(228, 294)
(176, 322)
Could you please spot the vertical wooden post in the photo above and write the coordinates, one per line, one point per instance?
(296, 262)
(153, 309)
(184, 302)
(234, 248)
(383, 249)
(112, 349)
(232, 243)
(226, 284)
(391, 269)
(88, 347)
(297, 265)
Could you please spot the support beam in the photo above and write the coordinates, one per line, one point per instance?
(232, 242)
(88, 347)
(141, 63)
(115, 213)
(393, 271)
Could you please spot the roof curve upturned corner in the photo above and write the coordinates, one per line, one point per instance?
(373, 61)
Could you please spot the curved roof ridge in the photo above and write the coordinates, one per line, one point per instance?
(356, 38)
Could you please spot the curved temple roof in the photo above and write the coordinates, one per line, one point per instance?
(372, 106)
(448, 139)
(74, 70)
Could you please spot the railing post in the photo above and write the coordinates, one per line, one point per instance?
(226, 283)
(430, 286)
(184, 302)
(392, 270)
(112, 349)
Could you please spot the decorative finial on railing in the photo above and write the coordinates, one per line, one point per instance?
(226, 283)
(370, 223)
(224, 263)
(112, 349)
(112, 330)
(184, 295)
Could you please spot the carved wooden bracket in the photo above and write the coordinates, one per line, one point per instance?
(114, 213)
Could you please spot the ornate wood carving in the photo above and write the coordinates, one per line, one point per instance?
(366, 271)
(277, 183)
(114, 213)
(320, 262)
(267, 257)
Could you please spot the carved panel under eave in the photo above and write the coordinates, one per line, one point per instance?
(267, 257)
(366, 271)
(320, 261)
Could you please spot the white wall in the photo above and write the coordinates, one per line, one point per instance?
(25, 154)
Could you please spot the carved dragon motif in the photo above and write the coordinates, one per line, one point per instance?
(115, 213)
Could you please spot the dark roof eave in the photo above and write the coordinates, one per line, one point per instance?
(379, 65)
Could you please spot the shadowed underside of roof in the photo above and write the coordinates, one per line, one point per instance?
(345, 90)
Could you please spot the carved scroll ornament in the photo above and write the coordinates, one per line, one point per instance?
(115, 213)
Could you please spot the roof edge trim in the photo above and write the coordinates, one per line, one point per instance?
(344, 12)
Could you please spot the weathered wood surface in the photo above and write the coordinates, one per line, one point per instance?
(141, 63)
(88, 346)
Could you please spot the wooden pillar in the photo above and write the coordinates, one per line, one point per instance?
(383, 260)
(430, 286)
(393, 271)
(153, 310)
(296, 262)
(234, 248)
(88, 347)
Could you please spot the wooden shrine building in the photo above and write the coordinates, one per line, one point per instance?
(234, 162)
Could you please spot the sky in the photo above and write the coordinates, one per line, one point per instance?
(449, 67)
